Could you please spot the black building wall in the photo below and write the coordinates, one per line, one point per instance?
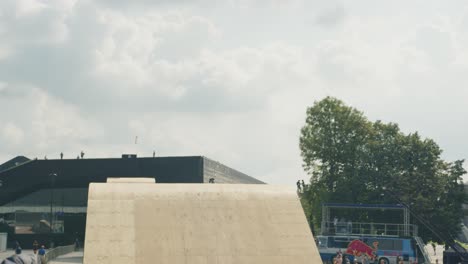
(28, 186)
(221, 173)
(78, 173)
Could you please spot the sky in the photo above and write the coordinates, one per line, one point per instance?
(226, 79)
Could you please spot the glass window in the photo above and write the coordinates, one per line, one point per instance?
(386, 244)
(398, 244)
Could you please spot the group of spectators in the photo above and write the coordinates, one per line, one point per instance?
(362, 259)
(20, 258)
(77, 157)
(301, 186)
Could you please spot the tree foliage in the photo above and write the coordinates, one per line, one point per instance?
(351, 159)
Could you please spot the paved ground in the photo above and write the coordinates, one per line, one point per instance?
(74, 257)
(6, 254)
(9, 252)
(77, 257)
(438, 253)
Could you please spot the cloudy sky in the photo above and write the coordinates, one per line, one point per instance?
(227, 79)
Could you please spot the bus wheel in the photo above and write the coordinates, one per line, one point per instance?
(384, 261)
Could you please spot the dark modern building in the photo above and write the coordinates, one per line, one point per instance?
(46, 200)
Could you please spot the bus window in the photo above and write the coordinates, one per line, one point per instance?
(339, 242)
(398, 244)
(386, 244)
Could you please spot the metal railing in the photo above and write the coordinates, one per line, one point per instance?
(55, 252)
(374, 229)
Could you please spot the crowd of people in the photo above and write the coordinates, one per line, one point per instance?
(362, 259)
(19, 257)
(301, 186)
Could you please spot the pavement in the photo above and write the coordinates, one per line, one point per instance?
(6, 254)
(77, 257)
(437, 255)
(74, 257)
(10, 252)
(27, 255)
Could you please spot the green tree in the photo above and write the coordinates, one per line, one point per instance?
(351, 159)
(331, 141)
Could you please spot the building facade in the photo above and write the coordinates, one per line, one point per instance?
(46, 200)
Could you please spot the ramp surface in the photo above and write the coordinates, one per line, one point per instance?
(196, 223)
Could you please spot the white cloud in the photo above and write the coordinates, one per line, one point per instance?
(230, 80)
(27, 22)
(37, 123)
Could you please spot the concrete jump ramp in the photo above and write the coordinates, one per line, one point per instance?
(196, 224)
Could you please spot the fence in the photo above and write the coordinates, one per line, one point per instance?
(58, 251)
(358, 228)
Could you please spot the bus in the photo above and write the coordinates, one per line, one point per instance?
(370, 242)
(375, 249)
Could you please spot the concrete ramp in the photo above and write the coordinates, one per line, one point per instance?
(196, 224)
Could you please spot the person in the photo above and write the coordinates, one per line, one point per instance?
(298, 183)
(154, 154)
(35, 246)
(77, 244)
(82, 154)
(335, 223)
(41, 254)
(346, 260)
(339, 258)
(61, 155)
(365, 259)
(18, 251)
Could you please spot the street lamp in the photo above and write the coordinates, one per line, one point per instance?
(52, 181)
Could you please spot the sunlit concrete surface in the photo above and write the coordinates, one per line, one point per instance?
(6, 254)
(74, 257)
(27, 255)
(131, 180)
(196, 223)
(437, 255)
